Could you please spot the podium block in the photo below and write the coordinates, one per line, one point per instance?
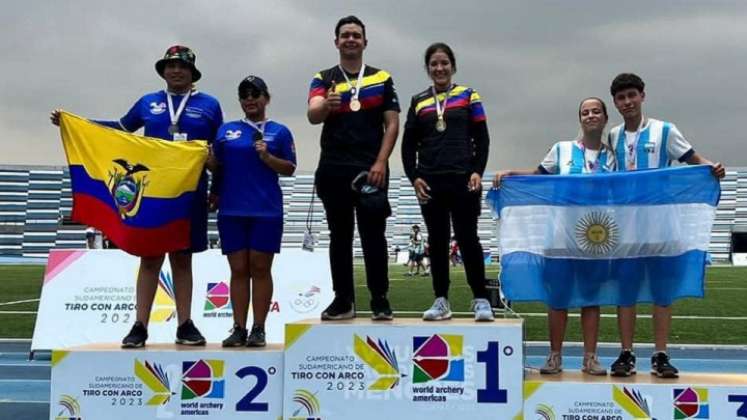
(166, 381)
(404, 369)
(575, 396)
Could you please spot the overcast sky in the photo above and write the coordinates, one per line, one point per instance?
(531, 61)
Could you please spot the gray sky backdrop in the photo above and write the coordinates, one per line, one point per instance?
(531, 61)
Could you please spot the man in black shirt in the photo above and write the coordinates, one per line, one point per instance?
(360, 111)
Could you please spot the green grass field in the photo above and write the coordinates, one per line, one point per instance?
(726, 296)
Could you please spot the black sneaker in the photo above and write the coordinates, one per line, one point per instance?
(237, 337)
(256, 337)
(624, 365)
(339, 309)
(137, 336)
(661, 367)
(189, 335)
(380, 310)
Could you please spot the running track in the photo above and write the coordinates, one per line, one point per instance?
(24, 384)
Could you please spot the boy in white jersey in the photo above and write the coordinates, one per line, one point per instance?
(646, 143)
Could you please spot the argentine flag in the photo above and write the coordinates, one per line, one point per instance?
(606, 239)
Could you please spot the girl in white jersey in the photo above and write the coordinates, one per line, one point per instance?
(585, 155)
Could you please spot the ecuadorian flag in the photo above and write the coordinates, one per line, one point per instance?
(139, 191)
(606, 239)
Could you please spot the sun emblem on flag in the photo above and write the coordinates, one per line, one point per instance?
(597, 233)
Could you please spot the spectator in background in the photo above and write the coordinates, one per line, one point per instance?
(91, 237)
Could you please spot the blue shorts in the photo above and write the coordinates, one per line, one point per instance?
(261, 234)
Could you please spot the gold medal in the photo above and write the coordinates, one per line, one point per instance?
(440, 125)
(355, 105)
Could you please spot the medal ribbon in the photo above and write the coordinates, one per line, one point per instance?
(632, 149)
(593, 166)
(355, 90)
(440, 107)
(174, 116)
(260, 126)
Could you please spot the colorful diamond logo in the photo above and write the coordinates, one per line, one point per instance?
(218, 297)
(437, 358)
(202, 379)
(690, 403)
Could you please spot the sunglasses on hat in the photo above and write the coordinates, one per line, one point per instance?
(253, 92)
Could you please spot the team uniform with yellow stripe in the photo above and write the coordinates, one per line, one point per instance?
(446, 159)
(352, 138)
(351, 141)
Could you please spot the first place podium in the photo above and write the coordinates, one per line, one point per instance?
(405, 369)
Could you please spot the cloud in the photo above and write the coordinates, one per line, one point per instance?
(531, 61)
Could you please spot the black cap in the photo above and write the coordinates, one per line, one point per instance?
(255, 82)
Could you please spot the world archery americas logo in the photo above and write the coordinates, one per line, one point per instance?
(203, 379)
(164, 305)
(690, 403)
(308, 407)
(70, 408)
(378, 356)
(126, 187)
(632, 401)
(544, 412)
(155, 378)
(597, 233)
(218, 297)
(437, 358)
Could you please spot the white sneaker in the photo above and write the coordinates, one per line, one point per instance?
(483, 311)
(439, 311)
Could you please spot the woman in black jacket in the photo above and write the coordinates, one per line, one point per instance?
(444, 153)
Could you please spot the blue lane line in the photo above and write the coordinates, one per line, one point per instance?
(24, 390)
(24, 372)
(24, 411)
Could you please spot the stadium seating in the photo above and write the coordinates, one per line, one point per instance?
(36, 201)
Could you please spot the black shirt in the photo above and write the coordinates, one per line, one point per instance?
(354, 138)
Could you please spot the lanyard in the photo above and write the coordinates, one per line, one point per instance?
(593, 166)
(174, 116)
(354, 90)
(440, 107)
(260, 127)
(632, 148)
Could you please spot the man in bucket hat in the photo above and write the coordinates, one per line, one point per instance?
(177, 113)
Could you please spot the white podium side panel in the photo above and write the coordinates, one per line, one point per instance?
(89, 297)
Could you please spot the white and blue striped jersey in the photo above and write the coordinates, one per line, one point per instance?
(571, 157)
(655, 145)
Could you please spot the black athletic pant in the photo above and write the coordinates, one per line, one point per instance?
(340, 204)
(452, 202)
